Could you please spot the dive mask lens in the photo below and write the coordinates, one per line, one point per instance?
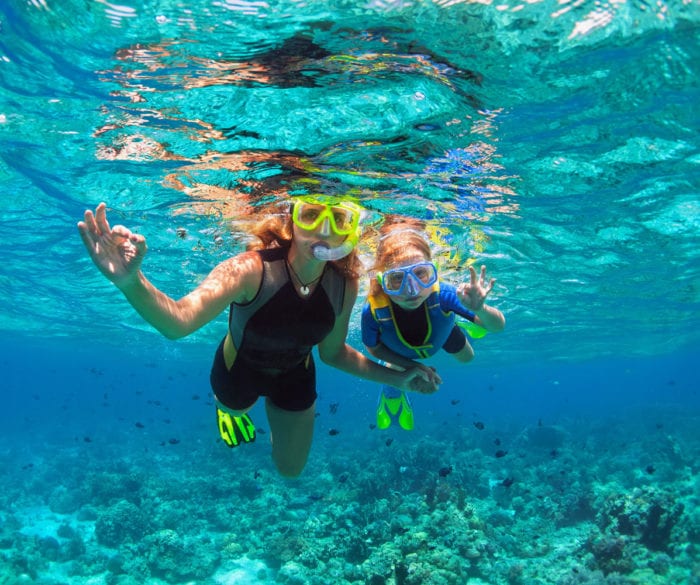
(343, 218)
(408, 279)
(425, 273)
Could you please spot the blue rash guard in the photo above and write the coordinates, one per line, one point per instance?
(419, 333)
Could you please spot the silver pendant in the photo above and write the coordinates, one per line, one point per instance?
(304, 290)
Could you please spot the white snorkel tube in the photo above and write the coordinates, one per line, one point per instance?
(323, 251)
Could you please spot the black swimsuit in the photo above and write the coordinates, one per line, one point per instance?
(274, 335)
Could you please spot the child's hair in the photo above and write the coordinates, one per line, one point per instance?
(275, 231)
(399, 237)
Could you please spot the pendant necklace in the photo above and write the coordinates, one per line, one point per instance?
(303, 287)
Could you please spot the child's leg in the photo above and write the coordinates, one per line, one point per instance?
(466, 354)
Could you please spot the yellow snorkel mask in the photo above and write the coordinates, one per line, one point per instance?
(331, 215)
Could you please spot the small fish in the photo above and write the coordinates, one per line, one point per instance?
(554, 453)
(454, 401)
(445, 471)
(501, 453)
(195, 396)
(372, 426)
(87, 440)
(139, 425)
(28, 466)
(333, 432)
(426, 127)
(479, 425)
(257, 474)
(507, 482)
(173, 441)
(650, 469)
(260, 431)
(388, 442)
(333, 407)
(343, 477)
(497, 441)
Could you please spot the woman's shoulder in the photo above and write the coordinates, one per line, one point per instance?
(245, 268)
(245, 260)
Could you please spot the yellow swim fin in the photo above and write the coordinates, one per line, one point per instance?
(235, 430)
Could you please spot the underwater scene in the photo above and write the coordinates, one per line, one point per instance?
(554, 142)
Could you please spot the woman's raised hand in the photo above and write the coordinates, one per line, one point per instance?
(117, 252)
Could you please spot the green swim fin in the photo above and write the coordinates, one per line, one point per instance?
(472, 329)
(235, 430)
(394, 409)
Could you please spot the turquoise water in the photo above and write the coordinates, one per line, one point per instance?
(555, 142)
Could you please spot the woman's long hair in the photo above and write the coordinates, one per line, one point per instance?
(275, 231)
(399, 237)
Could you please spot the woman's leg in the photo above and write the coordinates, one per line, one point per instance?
(292, 432)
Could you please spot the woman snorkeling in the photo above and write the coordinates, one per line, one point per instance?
(410, 313)
(292, 290)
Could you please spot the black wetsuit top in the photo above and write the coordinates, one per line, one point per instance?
(274, 335)
(278, 328)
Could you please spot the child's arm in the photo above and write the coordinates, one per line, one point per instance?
(391, 358)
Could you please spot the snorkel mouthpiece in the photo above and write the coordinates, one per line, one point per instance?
(322, 251)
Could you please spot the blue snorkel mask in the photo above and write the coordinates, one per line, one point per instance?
(408, 280)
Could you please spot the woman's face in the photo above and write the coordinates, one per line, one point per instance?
(411, 297)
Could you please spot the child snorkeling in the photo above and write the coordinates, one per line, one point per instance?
(411, 314)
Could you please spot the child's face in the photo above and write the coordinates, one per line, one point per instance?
(411, 297)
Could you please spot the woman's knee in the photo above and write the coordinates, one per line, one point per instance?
(289, 468)
(291, 434)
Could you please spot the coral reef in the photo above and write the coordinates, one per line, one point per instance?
(438, 511)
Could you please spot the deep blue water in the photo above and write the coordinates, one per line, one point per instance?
(555, 142)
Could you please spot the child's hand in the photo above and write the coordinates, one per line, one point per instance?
(422, 386)
(433, 376)
(473, 294)
(419, 380)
